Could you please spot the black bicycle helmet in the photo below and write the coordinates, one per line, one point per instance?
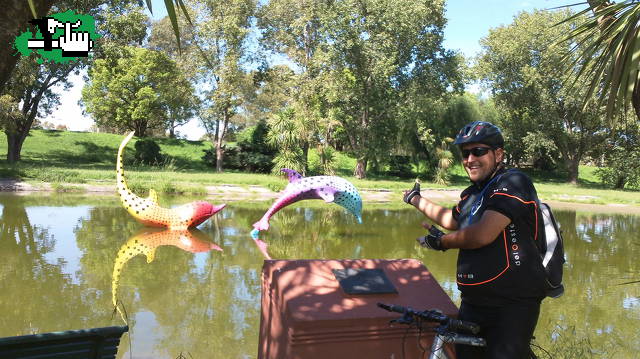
(480, 132)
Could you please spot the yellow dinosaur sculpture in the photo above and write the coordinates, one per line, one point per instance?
(148, 211)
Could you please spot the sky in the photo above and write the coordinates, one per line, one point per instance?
(468, 22)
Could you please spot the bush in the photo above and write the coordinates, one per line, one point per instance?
(148, 152)
(400, 166)
(252, 153)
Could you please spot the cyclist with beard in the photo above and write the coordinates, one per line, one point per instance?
(495, 226)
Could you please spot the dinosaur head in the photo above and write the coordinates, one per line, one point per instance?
(203, 210)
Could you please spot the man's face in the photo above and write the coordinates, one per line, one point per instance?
(481, 160)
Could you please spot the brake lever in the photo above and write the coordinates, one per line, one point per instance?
(405, 319)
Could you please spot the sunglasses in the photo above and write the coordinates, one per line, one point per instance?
(476, 151)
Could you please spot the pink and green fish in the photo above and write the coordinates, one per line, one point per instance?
(148, 211)
(331, 189)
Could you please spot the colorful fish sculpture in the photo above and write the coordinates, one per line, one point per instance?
(148, 211)
(147, 241)
(329, 188)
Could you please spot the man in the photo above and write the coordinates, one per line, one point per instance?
(495, 225)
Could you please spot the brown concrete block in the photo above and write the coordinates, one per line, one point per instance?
(306, 314)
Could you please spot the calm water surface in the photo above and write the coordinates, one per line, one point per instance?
(198, 293)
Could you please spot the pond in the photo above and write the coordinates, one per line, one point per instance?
(59, 253)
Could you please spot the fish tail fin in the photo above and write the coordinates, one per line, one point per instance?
(261, 225)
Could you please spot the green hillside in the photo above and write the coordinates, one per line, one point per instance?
(98, 150)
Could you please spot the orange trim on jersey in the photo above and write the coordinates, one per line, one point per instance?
(535, 212)
(506, 252)
(458, 205)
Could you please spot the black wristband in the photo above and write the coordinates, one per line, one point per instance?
(433, 239)
(415, 191)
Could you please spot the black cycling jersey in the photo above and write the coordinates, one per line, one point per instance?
(509, 268)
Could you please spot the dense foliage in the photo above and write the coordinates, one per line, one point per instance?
(136, 90)
(545, 123)
(251, 153)
(147, 152)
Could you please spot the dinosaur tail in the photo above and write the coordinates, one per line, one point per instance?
(115, 281)
(121, 183)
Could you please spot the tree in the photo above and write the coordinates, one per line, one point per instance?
(14, 17)
(222, 30)
(9, 111)
(17, 13)
(182, 106)
(187, 56)
(516, 62)
(296, 29)
(140, 90)
(619, 154)
(283, 135)
(31, 84)
(269, 91)
(377, 53)
(607, 63)
(30, 89)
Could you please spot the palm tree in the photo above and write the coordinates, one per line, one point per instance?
(611, 63)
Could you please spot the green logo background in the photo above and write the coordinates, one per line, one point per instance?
(88, 25)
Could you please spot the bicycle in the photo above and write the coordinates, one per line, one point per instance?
(449, 330)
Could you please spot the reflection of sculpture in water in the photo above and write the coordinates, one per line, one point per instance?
(147, 241)
(149, 212)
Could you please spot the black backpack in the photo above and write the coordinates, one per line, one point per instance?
(552, 252)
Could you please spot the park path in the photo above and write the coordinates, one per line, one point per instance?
(232, 192)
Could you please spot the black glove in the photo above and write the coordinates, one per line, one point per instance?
(433, 239)
(415, 191)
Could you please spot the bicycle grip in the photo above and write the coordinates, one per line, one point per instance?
(392, 308)
(469, 327)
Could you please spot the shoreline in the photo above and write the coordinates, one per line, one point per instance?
(260, 193)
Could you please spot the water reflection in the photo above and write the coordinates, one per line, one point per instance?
(147, 241)
(59, 255)
(595, 311)
(35, 289)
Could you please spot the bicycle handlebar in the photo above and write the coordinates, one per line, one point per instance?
(434, 316)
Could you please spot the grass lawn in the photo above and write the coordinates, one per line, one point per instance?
(64, 158)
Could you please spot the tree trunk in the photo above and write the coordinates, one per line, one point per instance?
(361, 168)
(14, 17)
(305, 156)
(620, 182)
(635, 98)
(597, 5)
(219, 157)
(221, 130)
(172, 130)
(14, 146)
(572, 168)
